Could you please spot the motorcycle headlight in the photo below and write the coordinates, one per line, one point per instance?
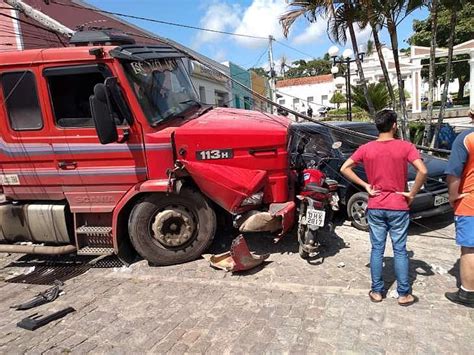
(255, 199)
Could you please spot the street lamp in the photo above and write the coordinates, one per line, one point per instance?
(346, 59)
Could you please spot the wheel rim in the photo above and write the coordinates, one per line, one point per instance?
(358, 212)
(173, 226)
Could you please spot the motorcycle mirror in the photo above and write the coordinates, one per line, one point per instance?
(336, 145)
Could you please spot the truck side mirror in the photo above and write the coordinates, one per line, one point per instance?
(102, 114)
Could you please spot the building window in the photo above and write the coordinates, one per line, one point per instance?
(222, 98)
(310, 98)
(20, 95)
(202, 94)
(70, 89)
(247, 103)
(324, 99)
(237, 101)
(281, 102)
(295, 101)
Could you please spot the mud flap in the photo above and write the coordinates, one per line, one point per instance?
(239, 258)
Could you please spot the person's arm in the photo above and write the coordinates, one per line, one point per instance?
(348, 172)
(453, 189)
(457, 159)
(421, 174)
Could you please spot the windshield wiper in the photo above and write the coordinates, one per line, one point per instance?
(191, 100)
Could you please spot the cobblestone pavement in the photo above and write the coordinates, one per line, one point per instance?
(288, 306)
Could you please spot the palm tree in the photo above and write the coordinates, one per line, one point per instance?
(376, 20)
(394, 12)
(431, 78)
(340, 19)
(455, 6)
(345, 15)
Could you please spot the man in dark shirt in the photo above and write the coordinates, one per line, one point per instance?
(385, 162)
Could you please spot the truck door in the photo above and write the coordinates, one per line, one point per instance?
(94, 176)
(27, 169)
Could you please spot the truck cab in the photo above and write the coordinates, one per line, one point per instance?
(105, 148)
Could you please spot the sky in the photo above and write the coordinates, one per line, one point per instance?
(252, 17)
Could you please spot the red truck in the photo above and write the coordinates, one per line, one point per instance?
(105, 149)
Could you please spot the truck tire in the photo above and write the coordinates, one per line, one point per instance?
(357, 209)
(172, 229)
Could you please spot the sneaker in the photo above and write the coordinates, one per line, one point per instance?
(462, 297)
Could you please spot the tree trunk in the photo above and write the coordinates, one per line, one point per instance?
(462, 84)
(360, 70)
(378, 46)
(431, 79)
(447, 78)
(392, 30)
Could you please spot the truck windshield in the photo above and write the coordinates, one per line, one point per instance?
(162, 87)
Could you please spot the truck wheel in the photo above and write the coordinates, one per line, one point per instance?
(356, 210)
(172, 229)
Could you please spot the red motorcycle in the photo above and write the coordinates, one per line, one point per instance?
(318, 201)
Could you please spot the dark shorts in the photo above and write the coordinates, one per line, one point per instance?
(464, 231)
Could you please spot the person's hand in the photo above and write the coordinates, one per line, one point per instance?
(408, 195)
(371, 191)
(453, 199)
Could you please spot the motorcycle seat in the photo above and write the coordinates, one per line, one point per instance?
(316, 188)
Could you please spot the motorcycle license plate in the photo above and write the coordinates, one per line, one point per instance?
(441, 199)
(315, 217)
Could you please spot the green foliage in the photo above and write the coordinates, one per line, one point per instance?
(376, 91)
(416, 132)
(260, 71)
(338, 98)
(314, 67)
(464, 32)
(340, 114)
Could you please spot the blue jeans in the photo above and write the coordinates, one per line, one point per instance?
(396, 223)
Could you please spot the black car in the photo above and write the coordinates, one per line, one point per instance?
(312, 144)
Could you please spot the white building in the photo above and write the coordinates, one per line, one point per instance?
(213, 87)
(299, 94)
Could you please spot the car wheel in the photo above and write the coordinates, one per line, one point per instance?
(172, 229)
(357, 209)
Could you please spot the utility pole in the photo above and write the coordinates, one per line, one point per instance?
(272, 70)
(40, 17)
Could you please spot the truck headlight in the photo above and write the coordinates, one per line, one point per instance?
(255, 199)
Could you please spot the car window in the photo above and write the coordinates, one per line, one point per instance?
(350, 142)
(317, 145)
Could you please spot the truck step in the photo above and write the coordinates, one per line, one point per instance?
(95, 231)
(94, 240)
(91, 250)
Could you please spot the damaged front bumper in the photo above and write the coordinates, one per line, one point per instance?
(279, 217)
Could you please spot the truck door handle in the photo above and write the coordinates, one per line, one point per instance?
(67, 165)
(263, 152)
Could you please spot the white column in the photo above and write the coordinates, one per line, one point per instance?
(471, 81)
(416, 86)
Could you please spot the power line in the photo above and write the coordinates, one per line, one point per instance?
(157, 21)
(296, 50)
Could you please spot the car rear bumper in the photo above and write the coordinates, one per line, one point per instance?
(423, 205)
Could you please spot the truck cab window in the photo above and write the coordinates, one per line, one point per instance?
(20, 95)
(70, 98)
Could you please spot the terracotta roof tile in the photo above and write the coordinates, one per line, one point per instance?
(307, 80)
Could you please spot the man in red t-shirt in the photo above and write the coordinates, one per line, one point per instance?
(385, 161)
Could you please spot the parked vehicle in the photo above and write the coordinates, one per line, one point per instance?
(323, 110)
(106, 149)
(324, 143)
(318, 199)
